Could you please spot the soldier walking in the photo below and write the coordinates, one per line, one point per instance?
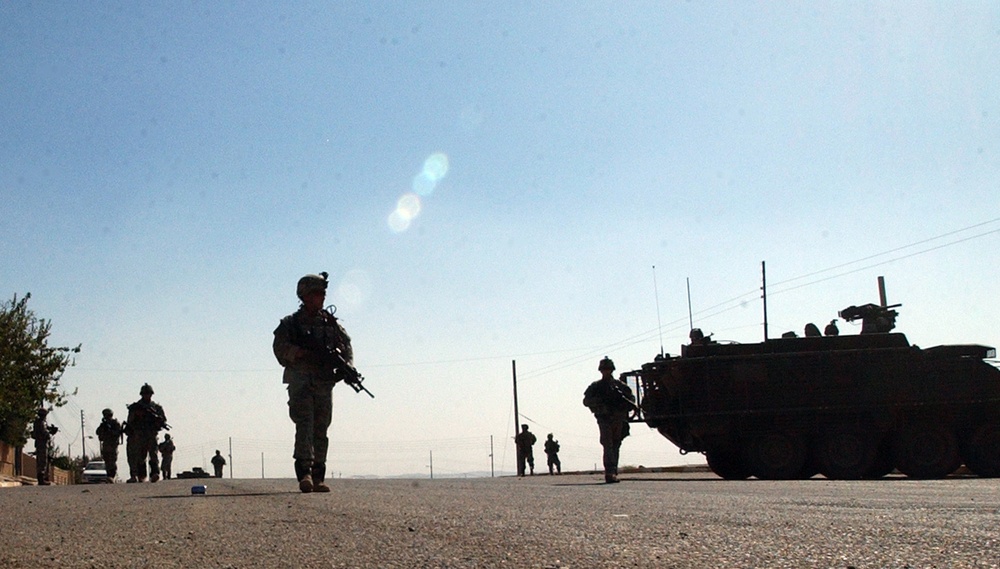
(42, 434)
(316, 352)
(552, 452)
(109, 432)
(167, 449)
(524, 441)
(218, 462)
(611, 401)
(145, 419)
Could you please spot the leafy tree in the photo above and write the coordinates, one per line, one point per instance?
(30, 369)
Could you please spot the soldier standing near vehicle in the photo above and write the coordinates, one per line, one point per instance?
(313, 348)
(218, 462)
(145, 419)
(552, 452)
(524, 441)
(167, 449)
(109, 432)
(42, 434)
(610, 401)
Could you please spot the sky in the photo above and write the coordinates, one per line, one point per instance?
(494, 188)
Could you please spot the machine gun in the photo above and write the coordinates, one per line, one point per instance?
(875, 319)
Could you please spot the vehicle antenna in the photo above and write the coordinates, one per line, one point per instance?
(690, 318)
(656, 295)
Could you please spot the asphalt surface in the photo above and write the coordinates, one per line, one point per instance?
(649, 520)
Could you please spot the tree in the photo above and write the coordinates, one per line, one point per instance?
(30, 369)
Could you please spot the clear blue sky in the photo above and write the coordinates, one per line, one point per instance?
(485, 183)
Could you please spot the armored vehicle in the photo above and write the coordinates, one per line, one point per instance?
(849, 407)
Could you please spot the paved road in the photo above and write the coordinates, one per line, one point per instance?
(649, 520)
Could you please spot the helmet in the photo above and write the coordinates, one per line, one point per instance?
(166, 437)
(107, 412)
(606, 363)
(146, 388)
(310, 283)
(42, 411)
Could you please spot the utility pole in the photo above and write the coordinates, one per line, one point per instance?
(83, 435)
(491, 456)
(432, 465)
(517, 415)
(230, 458)
(261, 466)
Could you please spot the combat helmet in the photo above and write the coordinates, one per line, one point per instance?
(606, 363)
(310, 283)
(146, 388)
(107, 412)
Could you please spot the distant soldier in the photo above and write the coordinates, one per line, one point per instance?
(218, 462)
(306, 344)
(610, 401)
(552, 452)
(145, 420)
(167, 449)
(524, 441)
(42, 434)
(109, 432)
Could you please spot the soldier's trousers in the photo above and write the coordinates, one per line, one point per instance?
(613, 431)
(525, 457)
(42, 462)
(310, 406)
(139, 446)
(554, 462)
(165, 461)
(109, 453)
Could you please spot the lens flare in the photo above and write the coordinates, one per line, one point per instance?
(408, 206)
(397, 223)
(436, 166)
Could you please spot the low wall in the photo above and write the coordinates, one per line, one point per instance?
(23, 468)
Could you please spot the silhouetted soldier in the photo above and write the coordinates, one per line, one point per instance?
(167, 449)
(218, 462)
(42, 434)
(552, 452)
(524, 441)
(304, 344)
(109, 432)
(610, 401)
(145, 419)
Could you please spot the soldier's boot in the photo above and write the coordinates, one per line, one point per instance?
(318, 475)
(154, 478)
(302, 473)
(611, 479)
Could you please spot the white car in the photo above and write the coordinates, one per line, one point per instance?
(95, 472)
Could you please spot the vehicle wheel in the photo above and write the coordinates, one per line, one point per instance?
(777, 456)
(982, 453)
(847, 454)
(925, 451)
(883, 464)
(727, 464)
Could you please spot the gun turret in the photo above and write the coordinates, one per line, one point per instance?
(875, 319)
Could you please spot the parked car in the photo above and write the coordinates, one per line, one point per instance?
(95, 472)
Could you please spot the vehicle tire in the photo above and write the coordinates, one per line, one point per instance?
(727, 464)
(982, 451)
(777, 456)
(847, 454)
(926, 451)
(883, 464)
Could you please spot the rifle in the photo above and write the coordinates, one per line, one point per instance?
(346, 371)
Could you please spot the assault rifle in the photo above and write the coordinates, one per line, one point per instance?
(345, 371)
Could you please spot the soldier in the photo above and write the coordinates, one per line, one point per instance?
(42, 434)
(314, 349)
(524, 441)
(109, 432)
(218, 462)
(552, 452)
(610, 401)
(145, 419)
(167, 449)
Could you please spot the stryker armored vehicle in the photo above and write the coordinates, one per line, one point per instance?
(849, 407)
